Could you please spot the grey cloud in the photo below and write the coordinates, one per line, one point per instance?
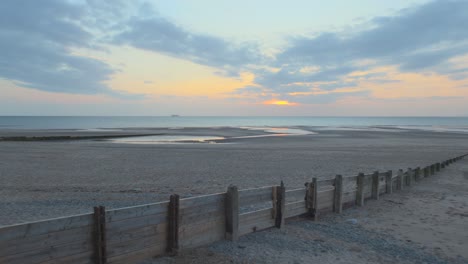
(419, 38)
(322, 98)
(395, 39)
(35, 42)
(161, 35)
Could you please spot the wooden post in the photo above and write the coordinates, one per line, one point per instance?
(409, 177)
(432, 169)
(100, 234)
(388, 182)
(311, 198)
(442, 165)
(416, 174)
(232, 213)
(173, 225)
(280, 205)
(338, 199)
(426, 172)
(375, 185)
(438, 166)
(360, 190)
(399, 180)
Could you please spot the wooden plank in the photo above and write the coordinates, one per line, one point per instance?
(203, 233)
(136, 211)
(126, 247)
(254, 196)
(232, 213)
(360, 190)
(136, 256)
(350, 179)
(159, 231)
(173, 224)
(30, 243)
(255, 221)
(44, 227)
(409, 177)
(325, 199)
(338, 196)
(295, 209)
(200, 200)
(295, 195)
(81, 258)
(192, 204)
(202, 215)
(349, 196)
(388, 182)
(329, 182)
(400, 181)
(48, 253)
(135, 223)
(367, 186)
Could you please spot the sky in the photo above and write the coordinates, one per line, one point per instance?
(234, 58)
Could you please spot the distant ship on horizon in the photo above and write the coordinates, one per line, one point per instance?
(175, 115)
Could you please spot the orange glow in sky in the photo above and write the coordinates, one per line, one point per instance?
(279, 102)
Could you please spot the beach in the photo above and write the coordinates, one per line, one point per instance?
(424, 223)
(77, 170)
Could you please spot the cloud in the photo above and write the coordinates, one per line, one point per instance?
(157, 34)
(415, 38)
(421, 38)
(35, 42)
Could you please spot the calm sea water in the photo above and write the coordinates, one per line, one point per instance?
(88, 122)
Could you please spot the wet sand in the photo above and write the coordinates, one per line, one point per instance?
(51, 178)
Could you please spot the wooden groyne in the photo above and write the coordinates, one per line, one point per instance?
(132, 234)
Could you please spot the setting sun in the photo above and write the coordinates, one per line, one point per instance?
(279, 102)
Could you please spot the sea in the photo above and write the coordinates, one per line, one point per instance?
(103, 122)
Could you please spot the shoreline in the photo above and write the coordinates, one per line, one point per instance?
(47, 179)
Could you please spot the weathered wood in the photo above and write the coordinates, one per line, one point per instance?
(296, 195)
(417, 174)
(409, 177)
(135, 256)
(44, 227)
(202, 233)
(400, 180)
(254, 196)
(158, 231)
(30, 243)
(329, 182)
(280, 205)
(338, 198)
(326, 199)
(48, 253)
(313, 198)
(296, 208)
(375, 185)
(129, 246)
(100, 235)
(255, 221)
(426, 172)
(360, 190)
(388, 182)
(232, 213)
(173, 225)
(136, 211)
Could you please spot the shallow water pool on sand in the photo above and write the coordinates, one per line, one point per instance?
(164, 139)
